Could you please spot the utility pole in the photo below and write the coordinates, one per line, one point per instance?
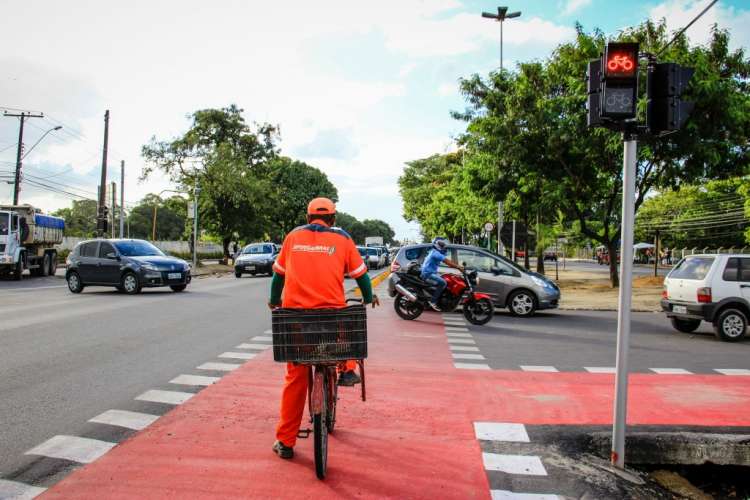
(114, 206)
(101, 217)
(501, 16)
(656, 253)
(19, 154)
(513, 242)
(196, 191)
(500, 222)
(122, 198)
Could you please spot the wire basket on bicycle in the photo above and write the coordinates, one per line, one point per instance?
(319, 335)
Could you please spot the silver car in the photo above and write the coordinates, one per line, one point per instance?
(256, 258)
(522, 292)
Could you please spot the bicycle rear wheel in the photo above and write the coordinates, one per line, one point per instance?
(320, 428)
(333, 390)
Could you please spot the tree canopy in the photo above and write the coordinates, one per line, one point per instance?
(80, 218)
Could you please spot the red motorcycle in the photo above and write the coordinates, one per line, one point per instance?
(412, 294)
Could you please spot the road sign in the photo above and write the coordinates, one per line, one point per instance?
(489, 227)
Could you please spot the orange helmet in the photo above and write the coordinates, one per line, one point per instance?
(321, 206)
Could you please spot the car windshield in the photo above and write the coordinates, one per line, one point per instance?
(692, 268)
(257, 249)
(4, 221)
(137, 248)
(362, 251)
(372, 251)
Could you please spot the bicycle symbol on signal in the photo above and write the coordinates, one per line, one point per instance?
(619, 62)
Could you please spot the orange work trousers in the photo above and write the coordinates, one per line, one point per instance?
(293, 398)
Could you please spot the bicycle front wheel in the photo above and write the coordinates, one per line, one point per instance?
(333, 390)
(320, 429)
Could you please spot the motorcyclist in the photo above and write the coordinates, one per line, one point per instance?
(430, 266)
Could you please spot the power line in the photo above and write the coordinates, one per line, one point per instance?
(683, 30)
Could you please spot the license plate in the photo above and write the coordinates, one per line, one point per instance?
(679, 309)
(249, 268)
(174, 276)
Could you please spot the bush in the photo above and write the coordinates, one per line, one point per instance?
(201, 256)
(62, 255)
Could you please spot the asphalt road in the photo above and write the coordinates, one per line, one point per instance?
(67, 358)
(583, 340)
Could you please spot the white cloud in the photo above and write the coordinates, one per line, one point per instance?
(572, 6)
(678, 13)
(447, 89)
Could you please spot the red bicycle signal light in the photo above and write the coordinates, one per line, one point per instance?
(621, 60)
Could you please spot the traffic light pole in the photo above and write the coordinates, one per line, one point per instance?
(624, 301)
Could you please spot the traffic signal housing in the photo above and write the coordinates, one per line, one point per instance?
(594, 90)
(665, 85)
(619, 93)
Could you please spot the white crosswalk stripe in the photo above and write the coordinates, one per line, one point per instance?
(471, 366)
(194, 380)
(253, 346)
(533, 368)
(459, 355)
(13, 490)
(458, 335)
(261, 338)
(460, 341)
(501, 431)
(237, 355)
(168, 397)
(514, 464)
(73, 448)
(599, 369)
(509, 495)
(732, 371)
(670, 371)
(221, 367)
(128, 419)
(463, 348)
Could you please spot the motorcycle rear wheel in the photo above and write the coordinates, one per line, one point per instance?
(407, 310)
(479, 312)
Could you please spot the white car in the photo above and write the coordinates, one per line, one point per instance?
(713, 288)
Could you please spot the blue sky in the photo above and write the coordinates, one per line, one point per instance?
(357, 88)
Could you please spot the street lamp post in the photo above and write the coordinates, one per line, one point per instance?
(197, 191)
(156, 206)
(501, 16)
(20, 157)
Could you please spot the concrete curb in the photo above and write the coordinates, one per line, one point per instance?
(376, 280)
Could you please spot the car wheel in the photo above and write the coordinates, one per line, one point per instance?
(130, 283)
(18, 273)
(75, 284)
(237, 274)
(44, 270)
(178, 288)
(685, 325)
(522, 303)
(731, 325)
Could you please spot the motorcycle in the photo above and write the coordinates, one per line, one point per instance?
(413, 294)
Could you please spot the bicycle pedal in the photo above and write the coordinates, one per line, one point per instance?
(304, 433)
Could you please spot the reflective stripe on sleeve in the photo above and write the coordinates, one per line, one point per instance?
(362, 269)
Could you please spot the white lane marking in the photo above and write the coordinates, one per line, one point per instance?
(732, 371)
(454, 322)
(19, 491)
(221, 367)
(471, 366)
(263, 337)
(456, 329)
(452, 340)
(599, 369)
(266, 331)
(532, 368)
(128, 419)
(514, 464)
(671, 371)
(458, 335)
(253, 346)
(464, 348)
(168, 397)
(237, 355)
(460, 355)
(74, 448)
(31, 288)
(509, 495)
(501, 431)
(194, 380)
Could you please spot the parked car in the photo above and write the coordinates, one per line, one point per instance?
(256, 258)
(372, 258)
(128, 265)
(509, 285)
(713, 288)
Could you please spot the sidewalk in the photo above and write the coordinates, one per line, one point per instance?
(413, 438)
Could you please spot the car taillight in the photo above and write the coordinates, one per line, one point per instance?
(664, 293)
(395, 266)
(704, 295)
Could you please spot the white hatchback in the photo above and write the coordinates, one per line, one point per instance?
(713, 288)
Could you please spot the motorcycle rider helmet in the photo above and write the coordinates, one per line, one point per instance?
(440, 244)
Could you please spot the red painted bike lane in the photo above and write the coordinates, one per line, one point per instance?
(413, 438)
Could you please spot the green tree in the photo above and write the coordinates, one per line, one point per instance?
(351, 225)
(171, 215)
(377, 227)
(294, 184)
(530, 130)
(80, 218)
(226, 158)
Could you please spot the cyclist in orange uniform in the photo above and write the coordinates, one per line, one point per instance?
(310, 271)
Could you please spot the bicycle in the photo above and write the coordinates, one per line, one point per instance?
(321, 339)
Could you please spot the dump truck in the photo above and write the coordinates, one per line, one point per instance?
(27, 241)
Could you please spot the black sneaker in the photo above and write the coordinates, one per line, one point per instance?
(435, 307)
(282, 450)
(349, 379)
